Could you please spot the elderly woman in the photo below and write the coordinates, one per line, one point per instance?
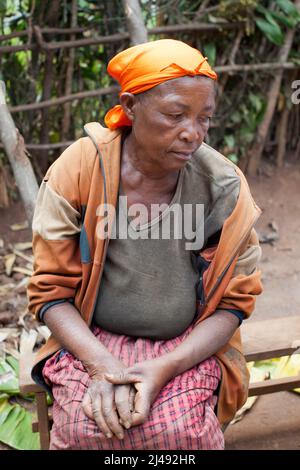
(145, 351)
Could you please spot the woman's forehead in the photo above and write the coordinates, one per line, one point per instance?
(183, 85)
(184, 88)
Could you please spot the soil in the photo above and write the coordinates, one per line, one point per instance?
(273, 422)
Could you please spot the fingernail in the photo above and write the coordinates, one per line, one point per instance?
(108, 435)
(120, 436)
(127, 424)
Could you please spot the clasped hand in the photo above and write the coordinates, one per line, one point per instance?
(121, 397)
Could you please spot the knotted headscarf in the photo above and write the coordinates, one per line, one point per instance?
(142, 67)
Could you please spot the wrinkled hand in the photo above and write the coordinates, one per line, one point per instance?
(148, 378)
(110, 406)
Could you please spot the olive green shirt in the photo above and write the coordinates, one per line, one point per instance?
(148, 284)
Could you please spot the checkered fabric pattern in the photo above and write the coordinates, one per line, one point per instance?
(182, 416)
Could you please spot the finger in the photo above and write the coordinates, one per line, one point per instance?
(132, 393)
(98, 417)
(90, 409)
(109, 412)
(122, 378)
(141, 408)
(87, 406)
(122, 400)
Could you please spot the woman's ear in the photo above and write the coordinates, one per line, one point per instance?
(128, 102)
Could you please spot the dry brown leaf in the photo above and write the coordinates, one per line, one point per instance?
(26, 257)
(44, 331)
(247, 406)
(21, 226)
(7, 332)
(7, 317)
(6, 288)
(9, 262)
(23, 246)
(3, 336)
(22, 316)
(22, 283)
(12, 351)
(25, 271)
(27, 341)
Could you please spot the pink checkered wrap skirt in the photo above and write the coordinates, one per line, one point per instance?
(181, 417)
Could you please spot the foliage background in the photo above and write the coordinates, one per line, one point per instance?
(33, 76)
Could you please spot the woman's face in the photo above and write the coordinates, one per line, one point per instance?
(170, 121)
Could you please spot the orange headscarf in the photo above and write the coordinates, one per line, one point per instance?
(142, 67)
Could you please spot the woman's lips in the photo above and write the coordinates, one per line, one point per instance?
(183, 155)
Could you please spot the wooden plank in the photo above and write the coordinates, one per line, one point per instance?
(26, 383)
(274, 385)
(260, 355)
(43, 419)
(270, 338)
(35, 424)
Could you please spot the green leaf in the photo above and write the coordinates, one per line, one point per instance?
(246, 135)
(14, 363)
(233, 157)
(271, 30)
(2, 6)
(210, 52)
(5, 409)
(8, 379)
(288, 21)
(236, 117)
(15, 427)
(3, 396)
(230, 141)
(256, 101)
(289, 8)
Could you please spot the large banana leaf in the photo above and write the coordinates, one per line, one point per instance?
(286, 366)
(15, 427)
(9, 376)
(15, 421)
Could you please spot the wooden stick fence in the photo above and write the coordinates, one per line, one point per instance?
(97, 40)
(119, 37)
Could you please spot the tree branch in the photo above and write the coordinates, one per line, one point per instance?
(69, 76)
(14, 147)
(135, 22)
(65, 99)
(169, 29)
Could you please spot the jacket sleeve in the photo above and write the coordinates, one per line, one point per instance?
(56, 227)
(245, 283)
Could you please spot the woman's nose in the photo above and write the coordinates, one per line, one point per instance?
(191, 133)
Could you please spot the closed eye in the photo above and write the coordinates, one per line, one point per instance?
(205, 119)
(175, 115)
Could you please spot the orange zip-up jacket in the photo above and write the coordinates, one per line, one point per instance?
(69, 257)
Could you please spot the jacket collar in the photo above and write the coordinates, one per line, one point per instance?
(101, 134)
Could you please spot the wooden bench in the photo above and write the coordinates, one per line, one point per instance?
(261, 340)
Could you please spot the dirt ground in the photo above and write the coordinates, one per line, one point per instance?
(274, 421)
